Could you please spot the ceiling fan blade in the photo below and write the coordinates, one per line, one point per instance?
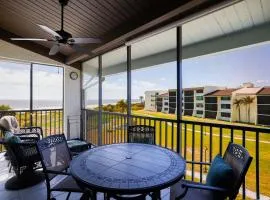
(83, 40)
(31, 39)
(54, 50)
(50, 31)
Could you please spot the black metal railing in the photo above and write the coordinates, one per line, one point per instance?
(50, 120)
(199, 142)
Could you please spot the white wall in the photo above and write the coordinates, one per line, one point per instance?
(11, 51)
(72, 104)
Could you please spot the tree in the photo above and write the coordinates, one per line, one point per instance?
(238, 103)
(141, 99)
(247, 101)
(5, 107)
(122, 105)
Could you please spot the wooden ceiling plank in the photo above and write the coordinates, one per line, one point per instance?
(36, 15)
(136, 5)
(71, 21)
(90, 14)
(75, 15)
(112, 9)
(126, 7)
(102, 10)
(120, 8)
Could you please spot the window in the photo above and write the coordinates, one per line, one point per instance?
(199, 98)
(90, 83)
(15, 85)
(188, 93)
(199, 105)
(114, 86)
(199, 112)
(227, 115)
(227, 98)
(226, 106)
(166, 109)
(199, 91)
(166, 103)
(152, 74)
(47, 87)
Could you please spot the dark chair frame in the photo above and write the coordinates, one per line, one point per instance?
(24, 153)
(24, 158)
(239, 159)
(141, 134)
(50, 174)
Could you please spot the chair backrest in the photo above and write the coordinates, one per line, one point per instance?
(239, 159)
(54, 152)
(141, 134)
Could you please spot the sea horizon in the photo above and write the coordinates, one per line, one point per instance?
(23, 104)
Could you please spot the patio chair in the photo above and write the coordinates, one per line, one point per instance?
(55, 158)
(22, 153)
(141, 134)
(239, 160)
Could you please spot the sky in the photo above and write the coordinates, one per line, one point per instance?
(227, 69)
(15, 81)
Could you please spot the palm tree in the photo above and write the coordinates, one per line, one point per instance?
(141, 99)
(247, 101)
(238, 103)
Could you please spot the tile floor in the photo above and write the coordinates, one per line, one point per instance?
(39, 192)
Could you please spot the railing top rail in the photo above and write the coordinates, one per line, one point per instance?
(48, 109)
(215, 125)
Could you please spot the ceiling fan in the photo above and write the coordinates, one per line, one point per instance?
(61, 36)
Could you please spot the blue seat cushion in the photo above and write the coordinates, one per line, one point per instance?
(220, 175)
(11, 138)
(76, 145)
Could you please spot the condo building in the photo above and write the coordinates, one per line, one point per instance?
(162, 103)
(263, 106)
(218, 104)
(151, 99)
(246, 112)
(198, 94)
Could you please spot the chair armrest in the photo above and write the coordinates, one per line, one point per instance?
(32, 129)
(204, 187)
(28, 136)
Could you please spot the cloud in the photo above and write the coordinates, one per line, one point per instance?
(15, 83)
(163, 79)
(262, 81)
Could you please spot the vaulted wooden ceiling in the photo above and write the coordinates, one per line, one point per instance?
(105, 19)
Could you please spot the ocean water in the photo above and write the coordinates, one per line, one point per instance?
(25, 104)
(50, 104)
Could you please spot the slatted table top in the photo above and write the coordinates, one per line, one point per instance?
(128, 168)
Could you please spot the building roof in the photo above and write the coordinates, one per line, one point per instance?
(194, 88)
(164, 95)
(226, 92)
(248, 91)
(264, 91)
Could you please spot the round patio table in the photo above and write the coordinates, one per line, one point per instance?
(128, 168)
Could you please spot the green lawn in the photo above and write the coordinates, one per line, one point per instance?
(168, 138)
(250, 145)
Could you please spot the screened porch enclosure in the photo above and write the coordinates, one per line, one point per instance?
(196, 139)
